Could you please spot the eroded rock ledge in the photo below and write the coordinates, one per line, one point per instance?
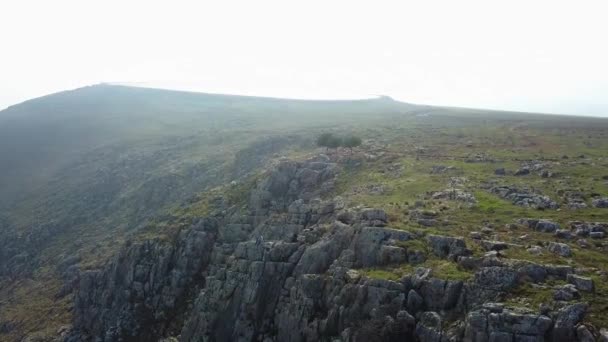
(287, 268)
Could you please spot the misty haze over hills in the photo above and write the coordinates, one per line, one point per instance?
(138, 214)
(563, 106)
(303, 171)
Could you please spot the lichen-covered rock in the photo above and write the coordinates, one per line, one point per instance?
(584, 229)
(560, 249)
(559, 271)
(370, 246)
(425, 218)
(545, 226)
(566, 320)
(535, 250)
(581, 283)
(447, 246)
(583, 334)
(533, 272)
(494, 245)
(429, 327)
(318, 257)
(496, 278)
(600, 202)
(597, 235)
(524, 197)
(563, 234)
(566, 292)
(455, 194)
(498, 324)
(290, 181)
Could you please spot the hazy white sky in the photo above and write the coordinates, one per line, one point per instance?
(533, 55)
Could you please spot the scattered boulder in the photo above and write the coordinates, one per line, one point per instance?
(436, 169)
(597, 235)
(545, 226)
(487, 230)
(600, 202)
(535, 250)
(576, 204)
(346, 217)
(479, 158)
(500, 171)
(447, 246)
(494, 245)
(524, 197)
(533, 272)
(457, 182)
(426, 218)
(581, 283)
(584, 229)
(563, 234)
(575, 199)
(455, 195)
(561, 249)
(559, 271)
(582, 243)
(524, 171)
(546, 174)
(566, 293)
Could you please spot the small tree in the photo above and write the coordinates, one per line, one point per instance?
(351, 141)
(334, 142)
(324, 139)
(328, 140)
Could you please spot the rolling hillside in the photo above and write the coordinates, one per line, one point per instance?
(101, 181)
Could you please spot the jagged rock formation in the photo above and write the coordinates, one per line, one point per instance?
(287, 267)
(144, 288)
(524, 197)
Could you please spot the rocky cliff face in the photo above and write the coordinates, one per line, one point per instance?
(139, 294)
(288, 267)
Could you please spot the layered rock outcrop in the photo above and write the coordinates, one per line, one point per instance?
(291, 266)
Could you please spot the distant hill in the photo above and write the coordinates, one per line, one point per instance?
(41, 136)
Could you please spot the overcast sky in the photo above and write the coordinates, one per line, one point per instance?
(546, 56)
